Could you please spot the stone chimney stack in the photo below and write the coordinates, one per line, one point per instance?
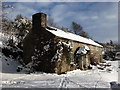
(39, 21)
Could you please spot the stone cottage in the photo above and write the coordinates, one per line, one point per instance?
(57, 51)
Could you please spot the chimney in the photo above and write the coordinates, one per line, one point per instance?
(39, 21)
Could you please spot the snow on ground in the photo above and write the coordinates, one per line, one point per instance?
(74, 79)
(8, 65)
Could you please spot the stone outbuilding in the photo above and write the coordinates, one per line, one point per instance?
(57, 51)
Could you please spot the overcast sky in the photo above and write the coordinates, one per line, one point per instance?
(99, 19)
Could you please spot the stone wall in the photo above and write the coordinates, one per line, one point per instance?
(93, 57)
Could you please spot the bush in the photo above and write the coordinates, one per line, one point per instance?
(12, 52)
(93, 59)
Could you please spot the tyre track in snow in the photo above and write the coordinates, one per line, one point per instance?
(98, 80)
(65, 81)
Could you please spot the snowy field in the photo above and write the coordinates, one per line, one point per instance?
(94, 78)
(73, 79)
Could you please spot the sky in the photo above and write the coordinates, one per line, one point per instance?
(98, 19)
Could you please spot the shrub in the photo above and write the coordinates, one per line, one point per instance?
(93, 59)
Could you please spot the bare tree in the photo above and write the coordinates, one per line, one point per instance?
(51, 22)
(78, 29)
(84, 34)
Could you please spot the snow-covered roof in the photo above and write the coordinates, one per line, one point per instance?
(71, 36)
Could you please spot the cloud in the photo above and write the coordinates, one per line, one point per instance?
(19, 9)
(26, 9)
(99, 19)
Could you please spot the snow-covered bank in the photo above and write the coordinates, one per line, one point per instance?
(9, 65)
